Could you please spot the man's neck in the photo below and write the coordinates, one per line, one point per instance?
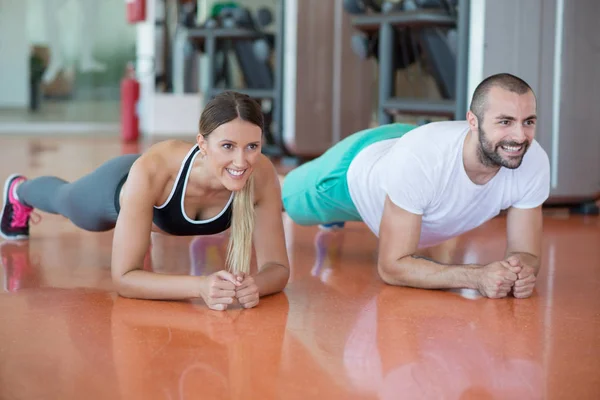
(479, 173)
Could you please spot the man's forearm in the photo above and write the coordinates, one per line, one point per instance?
(421, 272)
(527, 259)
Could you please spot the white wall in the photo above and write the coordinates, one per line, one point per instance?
(476, 46)
(575, 134)
(145, 53)
(14, 54)
(163, 114)
(505, 37)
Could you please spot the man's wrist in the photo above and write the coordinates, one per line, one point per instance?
(473, 274)
(521, 254)
(528, 259)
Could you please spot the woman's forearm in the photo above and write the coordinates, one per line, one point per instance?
(272, 278)
(142, 284)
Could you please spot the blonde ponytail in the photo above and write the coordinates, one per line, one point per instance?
(239, 248)
(223, 108)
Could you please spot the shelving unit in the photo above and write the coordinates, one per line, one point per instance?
(209, 38)
(390, 103)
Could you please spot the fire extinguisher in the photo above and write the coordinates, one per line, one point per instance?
(130, 95)
(136, 10)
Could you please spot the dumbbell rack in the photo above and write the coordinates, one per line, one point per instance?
(389, 104)
(209, 37)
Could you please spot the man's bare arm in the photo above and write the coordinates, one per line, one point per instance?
(524, 247)
(398, 264)
(524, 236)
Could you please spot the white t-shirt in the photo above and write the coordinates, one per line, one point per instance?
(423, 173)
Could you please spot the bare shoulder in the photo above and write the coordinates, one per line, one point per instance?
(159, 163)
(266, 181)
(164, 156)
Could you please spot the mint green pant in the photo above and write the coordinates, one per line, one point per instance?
(317, 192)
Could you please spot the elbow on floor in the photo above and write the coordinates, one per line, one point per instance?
(391, 275)
(283, 281)
(123, 291)
(122, 288)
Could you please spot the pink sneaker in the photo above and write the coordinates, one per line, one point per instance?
(14, 220)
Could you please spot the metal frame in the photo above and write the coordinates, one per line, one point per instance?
(210, 37)
(462, 58)
(385, 24)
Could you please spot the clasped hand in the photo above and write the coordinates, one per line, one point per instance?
(223, 288)
(501, 277)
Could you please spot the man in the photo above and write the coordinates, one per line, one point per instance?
(417, 187)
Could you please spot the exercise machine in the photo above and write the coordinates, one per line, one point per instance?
(401, 33)
(234, 39)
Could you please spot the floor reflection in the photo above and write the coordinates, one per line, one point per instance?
(336, 332)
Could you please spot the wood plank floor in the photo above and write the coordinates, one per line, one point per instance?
(336, 332)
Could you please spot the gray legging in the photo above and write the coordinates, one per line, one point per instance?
(90, 202)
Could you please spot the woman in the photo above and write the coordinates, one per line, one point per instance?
(181, 189)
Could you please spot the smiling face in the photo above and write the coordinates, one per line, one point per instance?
(506, 129)
(231, 151)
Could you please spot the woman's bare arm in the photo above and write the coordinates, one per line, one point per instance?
(132, 239)
(269, 238)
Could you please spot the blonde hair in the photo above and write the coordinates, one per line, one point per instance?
(239, 248)
(223, 108)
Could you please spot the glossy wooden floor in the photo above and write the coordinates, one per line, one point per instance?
(337, 332)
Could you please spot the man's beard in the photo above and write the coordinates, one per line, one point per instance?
(489, 153)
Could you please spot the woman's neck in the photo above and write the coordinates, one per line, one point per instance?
(203, 180)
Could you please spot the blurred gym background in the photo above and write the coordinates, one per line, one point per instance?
(141, 70)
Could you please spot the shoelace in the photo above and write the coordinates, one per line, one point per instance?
(20, 215)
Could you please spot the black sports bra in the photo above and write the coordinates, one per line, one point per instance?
(170, 216)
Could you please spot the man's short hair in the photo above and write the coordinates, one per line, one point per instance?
(505, 81)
